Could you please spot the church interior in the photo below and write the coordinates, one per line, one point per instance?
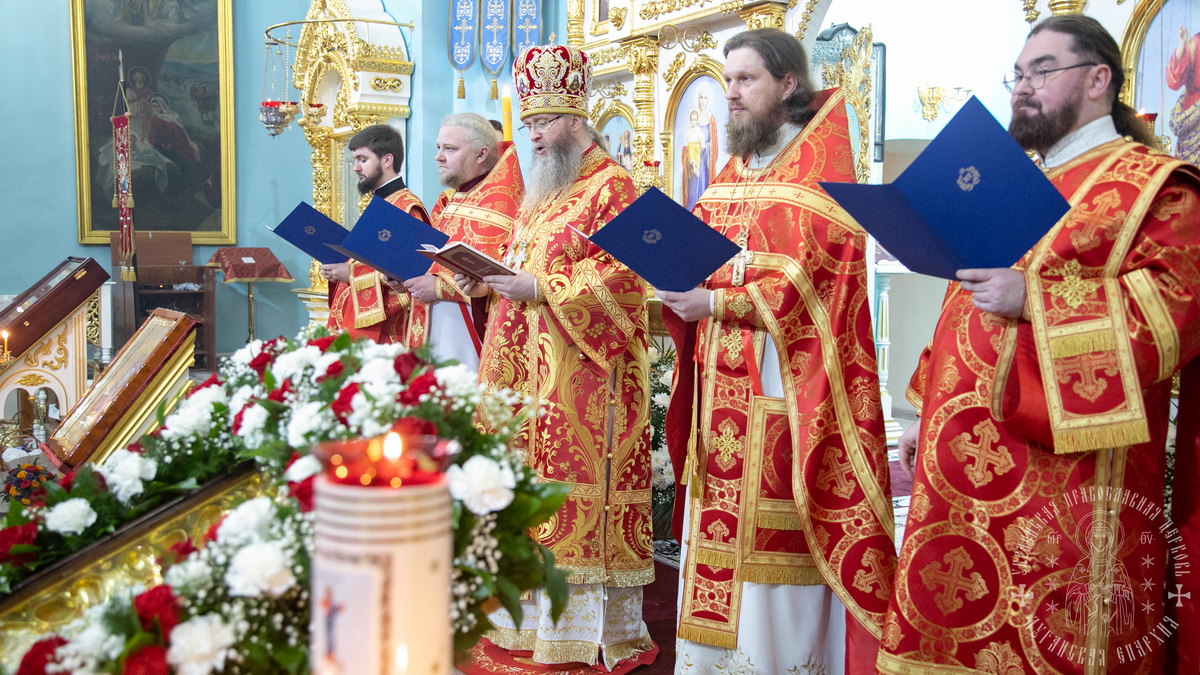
(157, 262)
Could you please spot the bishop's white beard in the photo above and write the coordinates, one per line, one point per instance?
(552, 172)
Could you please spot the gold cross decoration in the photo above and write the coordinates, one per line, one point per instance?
(742, 259)
(517, 257)
(951, 575)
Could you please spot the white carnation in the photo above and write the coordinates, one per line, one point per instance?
(200, 645)
(302, 468)
(259, 568)
(458, 381)
(254, 421)
(249, 522)
(246, 354)
(239, 398)
(310, 422)
(378, 377)
(652, 354)
(124, 472)
(662, 399)
(482, 484)
(195, 414)
(292, 364)
(665, 379)
(387, 352)
(70, 517)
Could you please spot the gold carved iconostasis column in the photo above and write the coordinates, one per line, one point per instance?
(352, 70)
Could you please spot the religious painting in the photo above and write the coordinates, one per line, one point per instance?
(617, 131)
(696, 118)
(176, 60)
(1162, 50)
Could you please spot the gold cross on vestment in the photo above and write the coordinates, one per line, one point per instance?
(742, 259)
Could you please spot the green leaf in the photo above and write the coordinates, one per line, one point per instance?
(510, 597)
(553, 496)
(556, 584)
(139, 640)
(291, 659)
(16, 513)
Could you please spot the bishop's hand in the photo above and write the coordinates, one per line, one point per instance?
(690, 305)
(907, 445)
(999, 290)
(519, 287)
(336, 272)
(423, 288)
(470, 287)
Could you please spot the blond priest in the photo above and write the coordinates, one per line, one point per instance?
(774, 424)
(1038, 541)
(570, 329)
(360, 301)
(484, 177)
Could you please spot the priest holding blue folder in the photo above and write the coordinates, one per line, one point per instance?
(774, 425)
(360, 300)
(1038, 540)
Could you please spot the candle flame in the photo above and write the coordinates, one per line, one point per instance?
(392, 447)
(4, 334)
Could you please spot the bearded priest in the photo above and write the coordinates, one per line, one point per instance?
(570, 330)
(774, 426)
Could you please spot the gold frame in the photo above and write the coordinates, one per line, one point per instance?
(1133, 40)
(228, 232)
(701, 67)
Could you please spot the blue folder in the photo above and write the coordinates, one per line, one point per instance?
(310, 230)
(388, 239)
(971, 199)
(664, 243)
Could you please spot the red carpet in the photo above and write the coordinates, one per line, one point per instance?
(658, 611)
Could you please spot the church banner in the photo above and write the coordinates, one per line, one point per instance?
(463, 39)
(527, 25)
(495, 39)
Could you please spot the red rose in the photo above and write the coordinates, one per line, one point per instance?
(157, 605)
(212, 381)
(259, 363)
(14, 536)
(414, 426)
(40, 655)
(341, 405)
(279, 394)
(302, 492)
(406, 364)
(422, 384)
(183, 549)
(322, 343)
(211, 535)
(335, 369)
(136, 448)
(149, 660)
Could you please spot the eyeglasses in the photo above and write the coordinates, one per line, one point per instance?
(539, 126)
(1037, 79)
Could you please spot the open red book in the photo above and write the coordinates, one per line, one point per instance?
(464, 259)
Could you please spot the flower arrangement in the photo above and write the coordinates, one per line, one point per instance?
(662, 477)
(247, 586)
(25, 481)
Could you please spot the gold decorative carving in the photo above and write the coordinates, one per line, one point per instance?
(606, 55)
(598, 108)
(673, 70)
(92, 331)
(387, 84)
(805, 15)
(32, 380)
(1031, 12)
(690, 39)
(1066, 6)
(615, 109)
(617, 16)
(56, 357)
(608, 89)
(642, 59)
(130, 557)
(656, 8)
(764, 15)
(853, 74)
(574, 22)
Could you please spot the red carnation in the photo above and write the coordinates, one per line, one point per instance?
(406, 364)
(322, 343)
(40, 655)
(341, 405)
(302, 492)
(136, 448)
(149, 660)
(157, 605)
(211, 535)
(67, 480)
(15, 536)
(423, 384)
(183, 549)
(414, 426)
(335, 369)
(212, 381)
(237, 418)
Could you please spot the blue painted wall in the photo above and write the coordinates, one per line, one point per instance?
(37, 177)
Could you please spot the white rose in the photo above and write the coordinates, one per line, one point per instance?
(257, 569)
(249, 522)
(302, 468)
(200, 645)
(482, 484)
(124, 472)
(293, 363)
(665, 379)
(70, 517)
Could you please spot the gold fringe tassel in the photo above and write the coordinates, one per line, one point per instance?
(711, 558)
(495, 92)
(128, 273)
(1067, 346)
(780, 521)
(1107, 436)
(462, 88)
(773, 574)
(707, 636)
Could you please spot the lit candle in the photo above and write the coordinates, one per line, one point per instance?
(5, 334)
(506, 114)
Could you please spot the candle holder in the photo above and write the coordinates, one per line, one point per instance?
(6, 356)
(382, 556)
